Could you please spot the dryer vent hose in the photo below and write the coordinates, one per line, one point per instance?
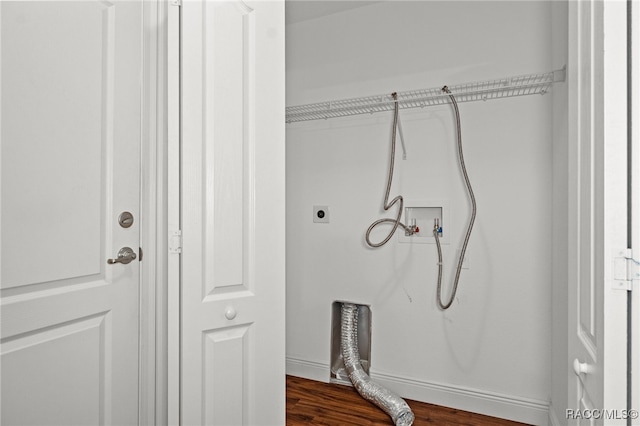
(389, 402)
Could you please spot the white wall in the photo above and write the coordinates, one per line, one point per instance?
(491, 352)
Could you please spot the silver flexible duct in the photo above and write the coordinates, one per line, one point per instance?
(389, 402)
(471, 220)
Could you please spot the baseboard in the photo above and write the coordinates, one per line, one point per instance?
(525, 410)
(308, 369)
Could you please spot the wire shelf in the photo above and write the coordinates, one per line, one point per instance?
(522, 85)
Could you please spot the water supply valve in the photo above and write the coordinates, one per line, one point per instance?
(437, 227)
(419, 217)
(412, 229)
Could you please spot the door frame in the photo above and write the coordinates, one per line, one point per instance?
(152, 394)
(172, 226)
(634, 123)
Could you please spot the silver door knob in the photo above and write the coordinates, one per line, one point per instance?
(125, 255)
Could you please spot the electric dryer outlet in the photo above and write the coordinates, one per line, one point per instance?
(321, 214)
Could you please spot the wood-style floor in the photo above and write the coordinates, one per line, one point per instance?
(316, 403)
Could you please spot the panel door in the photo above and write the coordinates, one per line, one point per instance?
(597, 206)
(70, 164)
(232, 213)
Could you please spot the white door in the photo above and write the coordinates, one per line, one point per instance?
(597, 212)
(70, 158)
(232, 213)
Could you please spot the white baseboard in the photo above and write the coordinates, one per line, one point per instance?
(308, 370)
(525, 410)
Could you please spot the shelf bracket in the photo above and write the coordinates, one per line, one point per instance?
(560, 75)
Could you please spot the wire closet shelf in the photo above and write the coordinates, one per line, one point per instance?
(522, 85)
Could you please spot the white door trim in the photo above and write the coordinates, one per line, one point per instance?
(153, 217)
(635, 201)
(160, 193)
(173, 224)
(615, 202)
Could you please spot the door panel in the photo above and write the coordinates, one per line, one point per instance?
(68, 354)
(70, 164)
(66, 76)
(224, 354)
(229, 34)
(232, 213)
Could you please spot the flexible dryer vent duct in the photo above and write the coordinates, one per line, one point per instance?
(388, 401)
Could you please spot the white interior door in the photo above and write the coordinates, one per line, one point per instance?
(232, 213)
(70, 164)
(598, 213)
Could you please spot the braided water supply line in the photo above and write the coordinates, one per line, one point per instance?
(471, 220)
(387, 205)
(389, 402)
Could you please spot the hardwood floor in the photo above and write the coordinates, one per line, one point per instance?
(316, 403)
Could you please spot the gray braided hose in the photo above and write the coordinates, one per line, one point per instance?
(471, 220)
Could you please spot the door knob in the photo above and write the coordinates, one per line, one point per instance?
(581, 367)
(125, 255)
(230, 313)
